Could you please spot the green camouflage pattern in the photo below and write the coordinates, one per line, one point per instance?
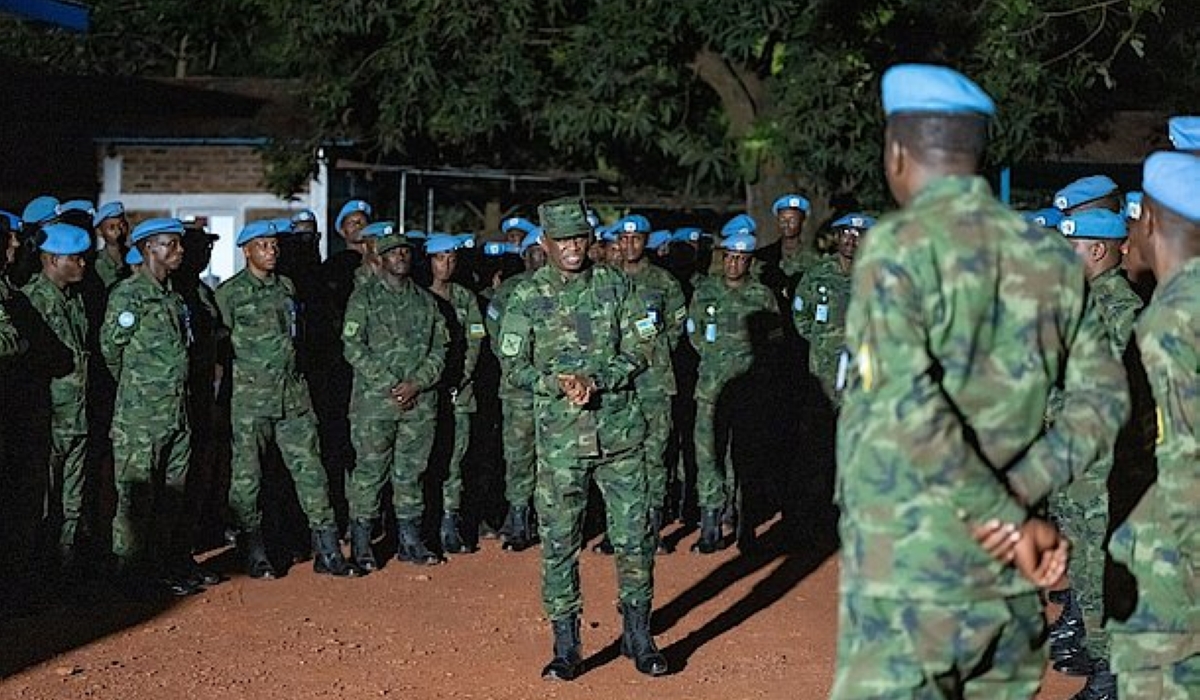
(516, 408)
(393, 332)
(594, 325)
(819, 314)
(144, 340)
(719, 328)
(930, 650)
(10, 340)
(270, 402)
(565, 217)
(109, 271)
(59, 356)
(464, 322)
(1159, 541)
(1145, 677)
(663, 300)
(1118, 306)
(943, 319)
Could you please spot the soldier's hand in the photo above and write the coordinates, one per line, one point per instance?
(998, 539)
(1041, 553)
(404, 393)
(577, 388)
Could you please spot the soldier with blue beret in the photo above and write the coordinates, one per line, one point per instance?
(742, 224)
(59, 360)
(1185, 133)
(145, 339)
(1091, 192)
(1155, 648)
(112, 229)
(270, 403)
(928, 462)
(515, 229)
(441, 243)
(575, 336)
(781, 264)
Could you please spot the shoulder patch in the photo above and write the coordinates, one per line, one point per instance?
(126, 319)
(493, 313)
(510, 345)
(477, 331)
(350, 329)
(680, 314)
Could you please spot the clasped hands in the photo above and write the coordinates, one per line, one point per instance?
(404, 395)
(1035, 547)
(578, 388)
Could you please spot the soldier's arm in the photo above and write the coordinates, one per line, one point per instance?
(427, 372)
(356, 338)
(676, 313)
(632, 358)
(802, 309)
(1094, 404)
(476, 332)
(10, 339)
(516, 352)
(694, 326)
(49, 355)
(120, 321)
(894, 365)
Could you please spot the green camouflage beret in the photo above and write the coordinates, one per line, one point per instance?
(391, 241)
(565, 217)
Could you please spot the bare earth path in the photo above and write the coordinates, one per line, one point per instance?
(734, 628)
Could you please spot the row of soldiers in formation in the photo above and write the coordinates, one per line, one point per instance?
(934, 355)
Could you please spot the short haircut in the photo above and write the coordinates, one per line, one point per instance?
(938, 137)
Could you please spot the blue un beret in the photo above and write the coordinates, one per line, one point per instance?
(108, 210)
(304, 215)
(1084, 190)
(917, 88)
(282, 226)
(1172, 178)
(40, 209)
(65, 239)
(263, 228)
(742, 224)
(519, 223)
(658, 239)
(634, 223)
(440, 243)
(687, 234)
(790, 201)
(1133, 205)
(133, 257)
(1046, 218)
(1093, 223)
(379, 229)
(494, 249)
(739, 243)
(1185, 133)
(354, 205)
(862, 222)
(14, 221)
(466, 240)
(80, 205)
(154, 227)
(532, 238)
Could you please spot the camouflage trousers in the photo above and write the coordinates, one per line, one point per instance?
(68, 451)
(1149, 667)
(452, 487)
(395, 448)
(296, 438)
(561, 499)
(520, 455)
(1081, 512)
(918, 650)
(715, 481)
(657, 410)
(150, 473)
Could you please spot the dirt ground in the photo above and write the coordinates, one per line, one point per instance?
(734, 627)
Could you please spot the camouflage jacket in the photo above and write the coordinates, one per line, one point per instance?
(727, 327)
(594, 325)
(1160, 541)
(10, 341)
(464, 322)
(144, 340)
(663, 302)
(108, 270)
(59, 353)
(262, 319)
(492, 320)
(1118, 306)
(957, 341)
(393, 334)
(819, 314)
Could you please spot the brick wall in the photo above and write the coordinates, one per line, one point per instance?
(190, 169)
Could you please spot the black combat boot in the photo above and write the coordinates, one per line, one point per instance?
(257, 564)
(1068, 650)
(328, 557)
(568, 650)
(1101, 684)
(636, 642)
(521, 536)
(361, 550)
(409, 546)
(710, 532)
(451, 534)
(661, 546)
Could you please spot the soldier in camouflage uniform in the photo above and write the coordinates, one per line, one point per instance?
(1156, 650)
(464, 321)
(788, 259)
(516, 405)
(60, 358)
(1081, 509)
(270, 404)
(723, 320)
(113, 228)
(819, 308)
(663, 301)
(395, 339)
(145, 341)
(576, 336)
(934, 472)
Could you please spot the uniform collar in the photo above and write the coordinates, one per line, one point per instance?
(951, 185)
